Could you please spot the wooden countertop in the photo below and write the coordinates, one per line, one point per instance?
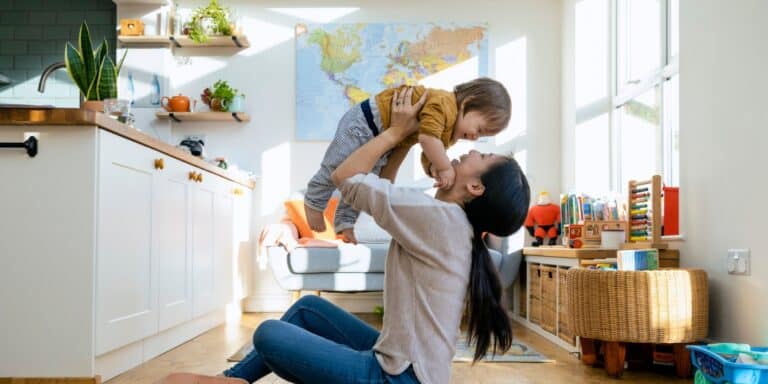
(67, 116)
(587, 253)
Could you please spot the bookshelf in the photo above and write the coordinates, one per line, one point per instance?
(204, 116)
(183, 41)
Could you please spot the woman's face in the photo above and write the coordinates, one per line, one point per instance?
(474, 164)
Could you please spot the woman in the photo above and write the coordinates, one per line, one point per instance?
(436, 259)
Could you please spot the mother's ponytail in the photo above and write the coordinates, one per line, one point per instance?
(500, 210)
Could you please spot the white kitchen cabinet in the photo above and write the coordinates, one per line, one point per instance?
(126, 271)
(171, 231)
(110, 241)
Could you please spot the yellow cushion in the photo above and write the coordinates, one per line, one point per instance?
(295, 209)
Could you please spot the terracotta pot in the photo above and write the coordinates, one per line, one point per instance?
(92, 105)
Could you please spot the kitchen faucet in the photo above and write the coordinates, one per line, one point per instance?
(47, 72)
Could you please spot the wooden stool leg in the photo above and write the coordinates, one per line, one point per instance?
(588, 351)
(682, 360)
(615, 352)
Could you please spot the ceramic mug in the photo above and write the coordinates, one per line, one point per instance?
(219, 105)
(237, 104)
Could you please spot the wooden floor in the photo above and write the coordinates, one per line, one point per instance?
(208, 353)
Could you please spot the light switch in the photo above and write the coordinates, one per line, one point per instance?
(738, 261)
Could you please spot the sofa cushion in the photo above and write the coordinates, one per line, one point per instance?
(295, 210)
(346, 258)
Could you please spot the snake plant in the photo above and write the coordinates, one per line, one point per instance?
(93, 72)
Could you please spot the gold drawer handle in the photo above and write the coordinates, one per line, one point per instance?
(159, 164)
(237, 192)
(199, 178)
(192, 176)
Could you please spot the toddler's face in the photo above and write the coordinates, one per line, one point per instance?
(471, 126)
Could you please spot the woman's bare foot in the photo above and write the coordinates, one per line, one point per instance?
(193, 378)
(315, 218)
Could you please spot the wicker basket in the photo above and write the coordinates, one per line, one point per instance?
(534, 294)
(548, 297)
(563, 326)
(523, 293)
(664, 306)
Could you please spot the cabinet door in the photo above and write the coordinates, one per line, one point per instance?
(203, 256)
(224, 243)
(126, 293)
(171, 239)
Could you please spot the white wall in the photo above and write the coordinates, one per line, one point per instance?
(524, 48)
(723, 121)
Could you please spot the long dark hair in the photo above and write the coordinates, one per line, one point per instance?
(489, 98)
(500, 210)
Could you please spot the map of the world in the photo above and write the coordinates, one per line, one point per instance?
(340, 65)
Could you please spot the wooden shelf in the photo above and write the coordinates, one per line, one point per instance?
(144, 40)
(204, 116)
(183, 41)
(144, 2)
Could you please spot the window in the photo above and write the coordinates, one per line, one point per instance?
(632, 46)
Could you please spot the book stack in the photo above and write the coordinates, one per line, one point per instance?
(637, 259)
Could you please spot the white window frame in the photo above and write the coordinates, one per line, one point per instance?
(619, 97)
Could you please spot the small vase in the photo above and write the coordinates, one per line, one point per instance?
(92, 105)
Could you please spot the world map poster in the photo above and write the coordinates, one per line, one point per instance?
(340, 65)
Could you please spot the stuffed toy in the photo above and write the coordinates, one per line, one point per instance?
(543, 221)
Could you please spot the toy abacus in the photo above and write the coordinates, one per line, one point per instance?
(644, 214)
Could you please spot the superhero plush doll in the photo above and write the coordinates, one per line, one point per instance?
(543, 220)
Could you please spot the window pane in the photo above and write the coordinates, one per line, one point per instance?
(672, 131)
(592, 156)
(591, 51)
(639, 126)
(639, 39)
(674, 27)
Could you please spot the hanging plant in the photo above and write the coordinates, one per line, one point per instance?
(212, 19)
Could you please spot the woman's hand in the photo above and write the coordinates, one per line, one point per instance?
(403, 119)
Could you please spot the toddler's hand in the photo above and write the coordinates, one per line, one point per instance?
(445, 178)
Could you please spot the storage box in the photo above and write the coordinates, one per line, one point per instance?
(548, 297)
(563, 328)
(637, 259)
(718, 369)
(534, 294)
(131, 27)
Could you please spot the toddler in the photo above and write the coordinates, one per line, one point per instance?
(478, 108)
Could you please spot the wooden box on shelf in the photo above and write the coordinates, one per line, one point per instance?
(534, 294)
(131, 27)
(563, 327)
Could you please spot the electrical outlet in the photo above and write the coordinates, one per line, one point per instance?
(738, 262)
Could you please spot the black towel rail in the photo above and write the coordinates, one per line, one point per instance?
(30, 145)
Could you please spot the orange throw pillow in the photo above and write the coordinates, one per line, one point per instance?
(295, 209)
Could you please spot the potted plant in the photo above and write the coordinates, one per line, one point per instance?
(212, 19)
(93, 72)
(220, 97)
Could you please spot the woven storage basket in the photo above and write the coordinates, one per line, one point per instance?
(548, 297)
(534, 294)
(563, 326)
(664, 306)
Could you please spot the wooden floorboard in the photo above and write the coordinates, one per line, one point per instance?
(208, 353)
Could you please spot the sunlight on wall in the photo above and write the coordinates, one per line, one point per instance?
(316, 15)
(275, 178)
(592, 153)
(517, 240)
(512, 71)
(591, 51)
(263, 35)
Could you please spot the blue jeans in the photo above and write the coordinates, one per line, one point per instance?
(316, 342)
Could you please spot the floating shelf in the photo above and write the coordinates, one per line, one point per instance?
(146, 2)
(204, 116)
(144, 40)
(183, 41)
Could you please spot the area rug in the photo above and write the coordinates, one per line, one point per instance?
(519, 353)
